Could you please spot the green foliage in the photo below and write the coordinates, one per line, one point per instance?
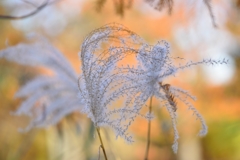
(222, 141)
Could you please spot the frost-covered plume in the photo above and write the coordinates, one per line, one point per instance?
(48, 98)
(101, 81)
(146, 80)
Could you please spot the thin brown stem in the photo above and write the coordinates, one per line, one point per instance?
(149, 131)
(102, 146)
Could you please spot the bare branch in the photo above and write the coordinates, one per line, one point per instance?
(38, 9)
(209, 7)
(30, 3)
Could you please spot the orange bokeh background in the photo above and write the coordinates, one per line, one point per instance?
(191, 35)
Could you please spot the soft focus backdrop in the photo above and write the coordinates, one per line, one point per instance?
(191, 35)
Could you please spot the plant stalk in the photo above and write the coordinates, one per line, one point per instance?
(102, 146)
(149, 131)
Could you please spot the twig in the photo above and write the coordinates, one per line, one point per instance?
(149, 131)
(209, 7)
(102, 146)
(38, 9)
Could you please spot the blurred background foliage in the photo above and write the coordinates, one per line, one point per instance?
(191, 35)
